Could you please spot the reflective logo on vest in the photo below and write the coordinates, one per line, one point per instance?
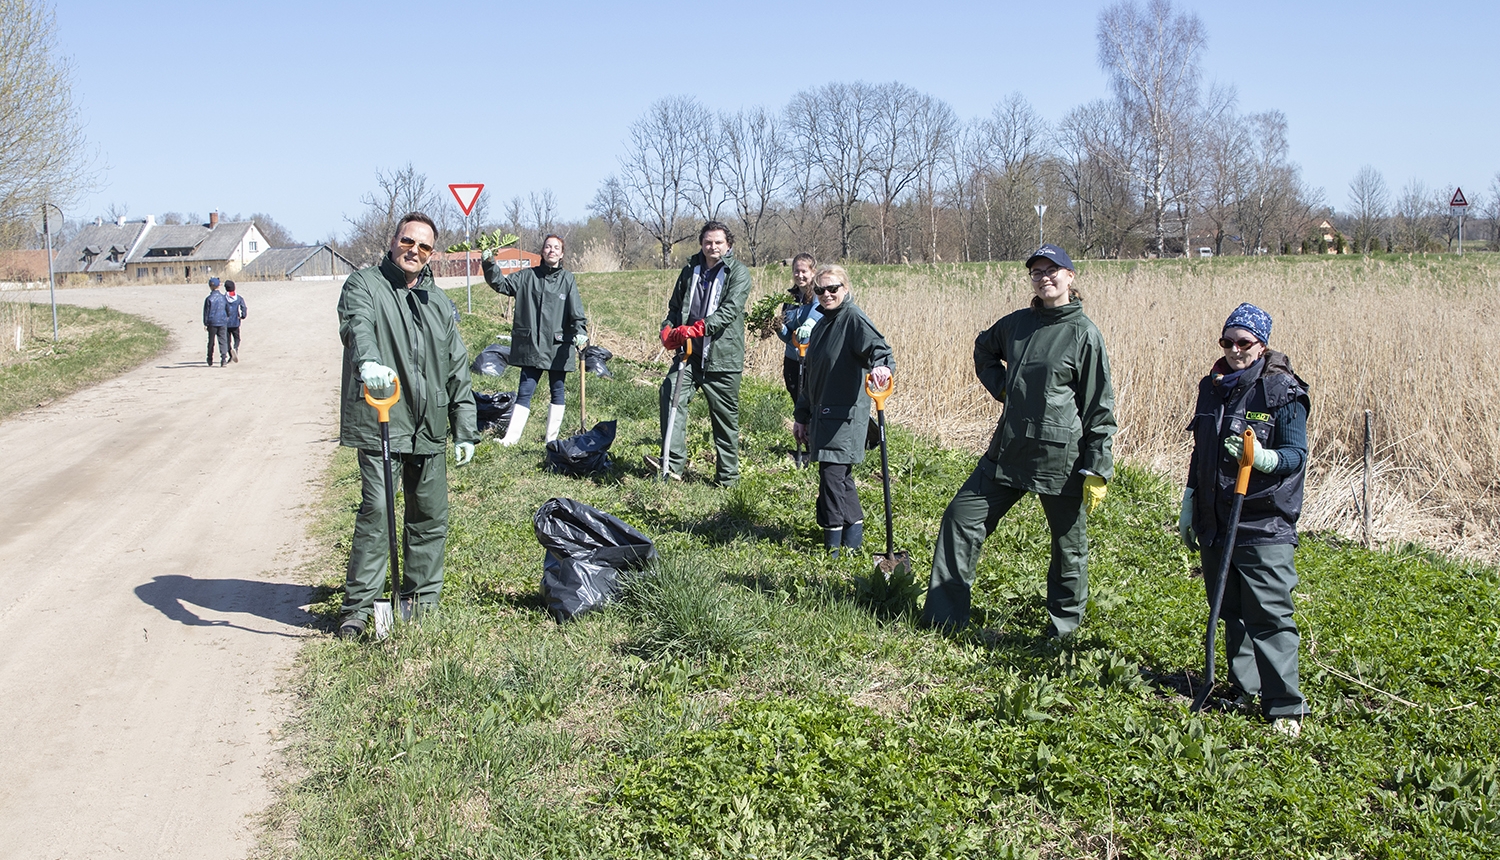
(1257, 416)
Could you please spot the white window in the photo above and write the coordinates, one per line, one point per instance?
(254, 245)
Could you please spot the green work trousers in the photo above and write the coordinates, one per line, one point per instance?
(423, 479)
(722, 391)
(971, 518)
(1260, 636)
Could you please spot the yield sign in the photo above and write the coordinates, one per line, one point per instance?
(466, 194)
(1458, 198)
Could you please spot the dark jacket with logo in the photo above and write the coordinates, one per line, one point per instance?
(723, 346)
(833, 403)
(549, 313)
(415, 332)
(1048, 366)
(235, 310)
(215, 309)
(1271, 399)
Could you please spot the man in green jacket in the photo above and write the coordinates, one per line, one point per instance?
(708, 307)
(1046, 363)
(395, 323)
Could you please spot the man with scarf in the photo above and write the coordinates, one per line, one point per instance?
(708, 308)
(1252, 386)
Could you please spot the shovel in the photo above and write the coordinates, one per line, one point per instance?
(583, 375)
(803, 459)
(1241, 484)
(889, 565)
(683, 354)
(386, 610)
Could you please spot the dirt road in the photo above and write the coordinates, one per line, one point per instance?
(150, 529)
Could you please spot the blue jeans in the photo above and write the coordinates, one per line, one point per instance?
(530, 376)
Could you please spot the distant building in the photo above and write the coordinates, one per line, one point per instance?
(148, 251)
(305, 263)
(445, 265)
(22, 268)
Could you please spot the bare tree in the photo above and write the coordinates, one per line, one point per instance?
(895, 158)
(657, 170)
(834, 126)
(1094, 152)
(43, 154)
(1226, 169)
(753, 164)
(610, 206)
(1368, 206)
(1151, 56)
(1010, 147)
(937, 129)
(1491, 212)
(543, 209)
(397, 192)
(276, 235)
(1413, 223)
(1271, 180)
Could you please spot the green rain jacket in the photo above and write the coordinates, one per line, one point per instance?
(549, 313)
(723, 347)
(833, 403)
(1048, 366)
(415, 332)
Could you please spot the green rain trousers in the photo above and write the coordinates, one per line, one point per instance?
(1260, 636)
(971, 518)
(423, 481)
(722, 391)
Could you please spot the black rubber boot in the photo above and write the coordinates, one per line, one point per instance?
(854, 535)
(832, 540)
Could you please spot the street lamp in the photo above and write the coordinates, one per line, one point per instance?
(51, 285)
(1041, 209)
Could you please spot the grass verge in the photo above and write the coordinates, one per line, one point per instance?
(94, 344)
(747, 701)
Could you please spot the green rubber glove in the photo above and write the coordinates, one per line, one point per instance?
(1185, 521)
(463, 452)
(1265, 459)
(580, 341)
(376, 376)
(804, 331)
(1094, 491)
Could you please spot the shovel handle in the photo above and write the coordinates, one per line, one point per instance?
(879, 394)
(1247, 457)
(801, 348)
(383, 404)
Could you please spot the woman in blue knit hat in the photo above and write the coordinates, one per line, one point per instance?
(1252, 385)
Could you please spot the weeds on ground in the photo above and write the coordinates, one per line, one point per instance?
(744, 700)
(94, 344)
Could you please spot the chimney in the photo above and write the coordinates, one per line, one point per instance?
(213, 220)
(120, 221)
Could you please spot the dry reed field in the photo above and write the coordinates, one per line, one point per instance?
(1406, 339)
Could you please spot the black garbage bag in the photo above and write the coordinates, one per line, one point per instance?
(586, 551)
(583, 454)
(492, 360)
(493, 409)
(594, 358)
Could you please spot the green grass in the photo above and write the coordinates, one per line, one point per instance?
(94, 344)
(749, 701)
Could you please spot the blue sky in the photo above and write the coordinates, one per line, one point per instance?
(291, 108)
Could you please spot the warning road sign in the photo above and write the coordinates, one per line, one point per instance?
(1458, 201)
(466, 195)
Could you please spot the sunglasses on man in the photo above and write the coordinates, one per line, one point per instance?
(407, 243)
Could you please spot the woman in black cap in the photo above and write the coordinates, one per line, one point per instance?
(1252, 385)
(1047, 364)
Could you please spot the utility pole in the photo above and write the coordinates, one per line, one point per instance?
(1041, 209)
(51, 286)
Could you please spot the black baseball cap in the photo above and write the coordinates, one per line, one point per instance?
(1053, 253)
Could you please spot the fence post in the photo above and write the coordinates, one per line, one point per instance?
(1369, 464)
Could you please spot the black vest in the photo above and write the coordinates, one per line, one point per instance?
(1272, 504)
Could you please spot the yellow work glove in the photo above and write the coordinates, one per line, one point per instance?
(1094, 490)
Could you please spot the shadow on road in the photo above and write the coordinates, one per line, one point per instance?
(173, 596)
(181, 364)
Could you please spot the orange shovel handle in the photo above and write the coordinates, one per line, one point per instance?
(880, 394)
(1247, 457)
(383, 404)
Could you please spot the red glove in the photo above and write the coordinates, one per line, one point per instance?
(694, 330)
(667, 335)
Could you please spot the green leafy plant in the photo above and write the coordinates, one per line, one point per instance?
(486, 242)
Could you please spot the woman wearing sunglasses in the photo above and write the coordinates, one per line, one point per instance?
(833, 410)
(549, 324)
(1252, 385)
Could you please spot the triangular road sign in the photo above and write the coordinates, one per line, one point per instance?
(466, 194)
(1458, 198)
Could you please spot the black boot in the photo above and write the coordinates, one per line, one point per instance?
(832, 540)
(854, 535)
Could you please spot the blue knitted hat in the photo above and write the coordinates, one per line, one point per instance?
(1251, 319)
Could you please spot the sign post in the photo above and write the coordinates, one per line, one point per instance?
(1041, 209)
(467, 194)
(1459, 203)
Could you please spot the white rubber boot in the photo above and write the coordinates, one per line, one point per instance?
(518, 416)
(554, 420)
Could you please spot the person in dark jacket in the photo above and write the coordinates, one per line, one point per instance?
(549, 325)
(708, 307)
(234, 311)
(1047, 365)
(833, 409)
(797, 320)
(1252, 385)
(216, 321)
(395, 323)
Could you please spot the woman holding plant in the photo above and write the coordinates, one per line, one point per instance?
(1252, 385)
(797, 320)
(833, 410)
(549, 324)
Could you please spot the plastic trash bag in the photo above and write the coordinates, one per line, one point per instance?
(493, 409)
(583, 454)
(492, 360)
(594, 358)
(586, 551)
